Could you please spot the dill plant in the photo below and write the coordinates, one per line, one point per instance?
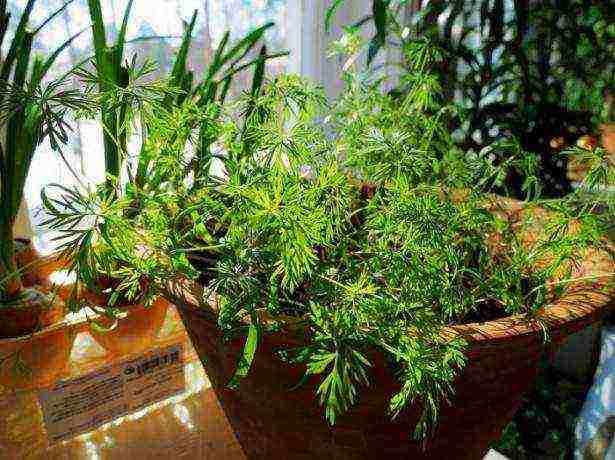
(360, 219)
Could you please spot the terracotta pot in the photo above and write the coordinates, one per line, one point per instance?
(43, 358)
(607, 131)
(41, 343)
(577, 166)
(133, 333)
(270, 420)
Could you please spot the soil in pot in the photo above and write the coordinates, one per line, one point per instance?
(33, 310)
(203, 261)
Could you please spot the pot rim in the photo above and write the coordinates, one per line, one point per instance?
(572, 312)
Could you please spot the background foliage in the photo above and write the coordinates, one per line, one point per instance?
(536, 70)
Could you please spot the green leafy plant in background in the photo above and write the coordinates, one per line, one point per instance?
(123, 91)
(227, 61)
(539, 71)
(111, 72)
(31, 111)
(367, 226)
(543, 427)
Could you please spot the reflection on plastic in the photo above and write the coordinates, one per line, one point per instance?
(190, 423)
(88, 401)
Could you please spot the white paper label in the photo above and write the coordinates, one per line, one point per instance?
(81, 404)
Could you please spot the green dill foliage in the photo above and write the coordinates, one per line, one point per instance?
(536, 72)
(360, 220)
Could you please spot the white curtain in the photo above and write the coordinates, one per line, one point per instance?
(309, 42)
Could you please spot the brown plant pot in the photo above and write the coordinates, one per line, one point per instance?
(607, 132)
(40, 313)
(35, 344)
(38, 359)
(44, 308)
(273, 421)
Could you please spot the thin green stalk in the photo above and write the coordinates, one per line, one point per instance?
(16, 44)
(11, 284)
(110, 73)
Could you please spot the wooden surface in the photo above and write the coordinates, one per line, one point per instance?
(189, 425)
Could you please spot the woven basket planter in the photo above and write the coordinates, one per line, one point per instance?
(273, 420)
